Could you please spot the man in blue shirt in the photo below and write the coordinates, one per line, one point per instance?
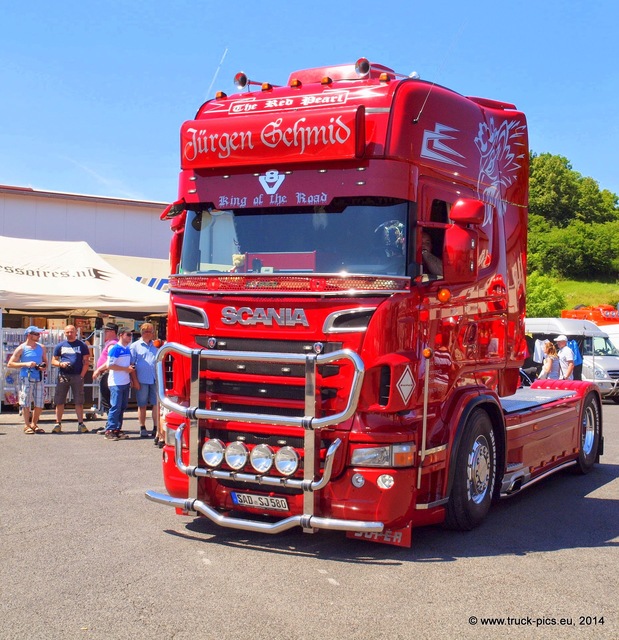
(144, 356)
(72, 357)
(30, 359)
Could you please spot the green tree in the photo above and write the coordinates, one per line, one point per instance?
(544, 300)
(553, 188)
(595, 205)
(572, 223)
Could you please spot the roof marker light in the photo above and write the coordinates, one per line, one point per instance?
(220, 95)
(384, 77)
(326, 80)
(295, 83)
(266, 86)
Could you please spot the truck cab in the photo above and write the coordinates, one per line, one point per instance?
(347, 304)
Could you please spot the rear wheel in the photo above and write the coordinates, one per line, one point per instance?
(590, 427)
(475, 474)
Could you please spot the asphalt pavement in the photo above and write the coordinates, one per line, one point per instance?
(83, 554)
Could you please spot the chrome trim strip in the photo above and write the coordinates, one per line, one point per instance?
(424, 421)
(289, 294)
(327, 327)
(431, 505)
(197, 325)
(542, 418)
(442, 447)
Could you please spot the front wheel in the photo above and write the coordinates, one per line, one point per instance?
(475, 475)
(590, 431)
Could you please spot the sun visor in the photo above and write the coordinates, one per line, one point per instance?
(263, 138)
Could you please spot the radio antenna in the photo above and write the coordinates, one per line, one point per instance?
(441, 67)
(208, 93)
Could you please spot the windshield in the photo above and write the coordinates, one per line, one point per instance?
(366, 237)
(599, 346)
(604, 347)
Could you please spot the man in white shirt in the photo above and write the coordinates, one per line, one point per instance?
(566, 358)
(120, 368)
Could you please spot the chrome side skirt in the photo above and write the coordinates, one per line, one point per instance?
(515, 481)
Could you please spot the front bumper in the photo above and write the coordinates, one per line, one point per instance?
(308, 521)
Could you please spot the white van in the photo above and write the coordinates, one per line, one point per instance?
(613, 333)
(600, 356)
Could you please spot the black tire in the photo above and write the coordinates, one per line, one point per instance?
(590, 428)
(475, 475)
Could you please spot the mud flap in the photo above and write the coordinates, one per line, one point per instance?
(395, 537)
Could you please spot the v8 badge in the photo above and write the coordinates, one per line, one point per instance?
(271, 181)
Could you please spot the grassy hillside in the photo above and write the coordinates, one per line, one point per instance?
(588, 293)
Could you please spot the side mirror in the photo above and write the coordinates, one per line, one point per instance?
(461, 250)
(460, 255)
(467, 211)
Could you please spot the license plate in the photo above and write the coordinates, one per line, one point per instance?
(260, 502)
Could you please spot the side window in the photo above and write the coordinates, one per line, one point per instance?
(432, 238)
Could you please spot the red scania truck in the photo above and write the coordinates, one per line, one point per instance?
(347, 303)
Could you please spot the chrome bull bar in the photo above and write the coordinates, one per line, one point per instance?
(309, 422)
(311, 362)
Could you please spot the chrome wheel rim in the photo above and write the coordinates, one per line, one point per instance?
(588, 430)
(478, 470)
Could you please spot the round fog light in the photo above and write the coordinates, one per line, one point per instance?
(357, 480)
(213, 452)
(261, 458)
(385, 481)
(286, 461)
(236, 455)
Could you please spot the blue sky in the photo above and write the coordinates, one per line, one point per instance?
(93, 93)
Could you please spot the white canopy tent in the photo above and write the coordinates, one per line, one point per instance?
(42, 275)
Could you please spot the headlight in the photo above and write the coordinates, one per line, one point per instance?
(236, 455)
(371, 457)
(600, 374)
(286, 461)
(395, 455)
(261, 458)
(213, 452)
